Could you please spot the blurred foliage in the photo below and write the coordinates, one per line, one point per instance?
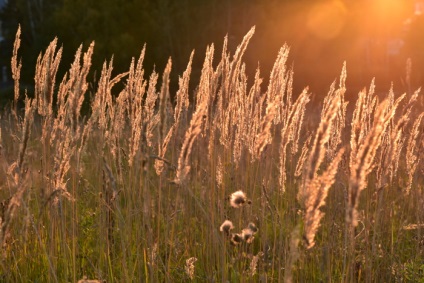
(322, 34)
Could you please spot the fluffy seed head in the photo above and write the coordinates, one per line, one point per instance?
(236, 239)
(247, 235)
(253, 228)
(226, 227)
(237, 199)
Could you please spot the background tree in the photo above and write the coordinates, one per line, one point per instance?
(322, 34)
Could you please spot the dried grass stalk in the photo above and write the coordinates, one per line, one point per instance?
(290, 132)
(26, 130)
(315, 199)
(314, 188)
(393, 142)
(191, 134)
(303, 157)
(45, 77)
(294, 254)
(16, 68)
(232, 92)
(150, 118)
(317, 152)
(412, 158)
(340, 119)
(275, 99)
(189, 267)
(136, 90)
(362, 163)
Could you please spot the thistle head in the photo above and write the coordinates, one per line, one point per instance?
(248, 232)
(226, 227)
(236, 239)
(253, 227)
(247, 235)
(238, 199)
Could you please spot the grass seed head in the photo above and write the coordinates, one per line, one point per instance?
(189, 268)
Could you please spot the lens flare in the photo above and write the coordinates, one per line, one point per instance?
(326, 20)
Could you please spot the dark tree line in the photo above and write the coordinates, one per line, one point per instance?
(174, 28)
(121, 28)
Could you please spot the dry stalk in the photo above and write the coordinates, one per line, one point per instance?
(110, 195)
(361, 121)
(254, 112)
(164, 109)
(314, 188)
(45, 78)
(135, 90)
(191, 134)
(150, 118)
(189, 267)
(392, 143)
(26, 130)
(317, 152)
(17, 174)
(290, 133)
(275, 101)
(340, 120)
(10, 207)
(16, 69)
(412, 159)
(231, 93)
(303, 157)
(362, 163)
(294, 254)
(315, 199)
(180, 109)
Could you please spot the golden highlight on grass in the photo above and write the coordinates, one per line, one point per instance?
(16, 68)
(136, 187)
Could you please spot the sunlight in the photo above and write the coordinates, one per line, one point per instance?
(326, 20)
(386, 15)
(388, 8)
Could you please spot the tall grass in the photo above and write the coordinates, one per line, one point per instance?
(239, 184)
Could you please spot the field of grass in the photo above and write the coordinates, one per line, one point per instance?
(242, 183)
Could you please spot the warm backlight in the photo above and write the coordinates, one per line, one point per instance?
(326, 20)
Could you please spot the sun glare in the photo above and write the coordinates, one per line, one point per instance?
(326, 20)
(387, 8)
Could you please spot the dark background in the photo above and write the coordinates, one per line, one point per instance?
(374, 37)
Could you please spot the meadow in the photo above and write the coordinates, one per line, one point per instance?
(236, 182)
